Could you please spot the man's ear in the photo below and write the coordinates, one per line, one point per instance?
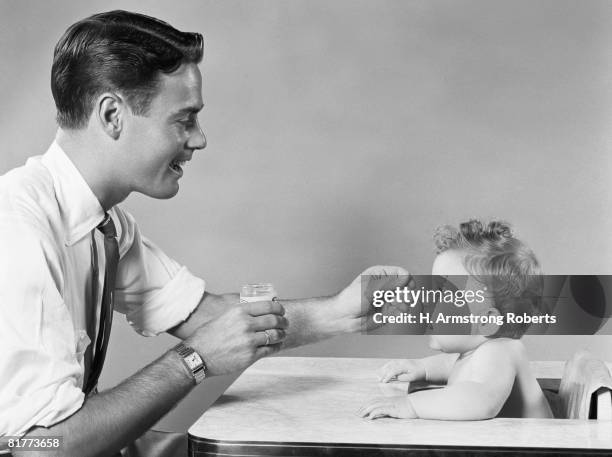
(489, 327)
(110, 111)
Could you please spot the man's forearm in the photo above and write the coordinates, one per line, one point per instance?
(312, 320)
(110, 420)
(210, 306)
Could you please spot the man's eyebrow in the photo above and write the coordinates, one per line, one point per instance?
(189, 109)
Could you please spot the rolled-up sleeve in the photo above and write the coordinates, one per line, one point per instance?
(152, 290)
(40, 376)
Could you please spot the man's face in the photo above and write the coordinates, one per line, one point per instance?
(158, 145)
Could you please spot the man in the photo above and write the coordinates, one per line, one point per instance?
(128, 91)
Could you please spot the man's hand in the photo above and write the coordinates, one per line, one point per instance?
(403, 370)
(353, 305)
(240, 336)
(399, 407)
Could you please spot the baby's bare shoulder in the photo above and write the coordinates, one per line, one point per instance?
(494, 361)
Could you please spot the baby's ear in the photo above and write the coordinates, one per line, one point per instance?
(490, 325)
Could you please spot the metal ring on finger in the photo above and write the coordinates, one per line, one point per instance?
(268, 339)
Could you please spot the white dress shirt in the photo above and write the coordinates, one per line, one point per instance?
(47, 216)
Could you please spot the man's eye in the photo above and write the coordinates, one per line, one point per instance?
(189, 122)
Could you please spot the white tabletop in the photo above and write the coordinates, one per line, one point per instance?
(315, 400)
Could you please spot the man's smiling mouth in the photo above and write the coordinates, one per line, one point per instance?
(177, 166)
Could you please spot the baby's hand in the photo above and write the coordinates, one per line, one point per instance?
(402, 370)
(399, 407)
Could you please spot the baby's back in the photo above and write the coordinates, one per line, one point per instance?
(526, 398)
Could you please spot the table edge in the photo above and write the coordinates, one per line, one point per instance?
(203, 446)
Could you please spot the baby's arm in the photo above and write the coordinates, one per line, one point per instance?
(479, 392)
(439, 367)
(435, 369)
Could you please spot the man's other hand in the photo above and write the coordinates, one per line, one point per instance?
(353, 308)
(240, 336)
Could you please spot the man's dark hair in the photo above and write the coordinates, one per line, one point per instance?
(116, 51)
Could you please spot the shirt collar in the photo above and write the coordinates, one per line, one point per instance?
(80, 210)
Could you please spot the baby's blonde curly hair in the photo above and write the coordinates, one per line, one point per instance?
(502, 263)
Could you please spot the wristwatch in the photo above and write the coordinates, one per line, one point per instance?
(192, 361)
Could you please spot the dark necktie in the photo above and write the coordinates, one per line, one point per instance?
(111, 253)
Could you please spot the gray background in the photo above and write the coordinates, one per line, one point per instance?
(341, 133)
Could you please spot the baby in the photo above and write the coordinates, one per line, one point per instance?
(486, 373)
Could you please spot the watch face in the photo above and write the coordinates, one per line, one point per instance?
(193, 360)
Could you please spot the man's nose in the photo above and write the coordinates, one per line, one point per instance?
(198, 139)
